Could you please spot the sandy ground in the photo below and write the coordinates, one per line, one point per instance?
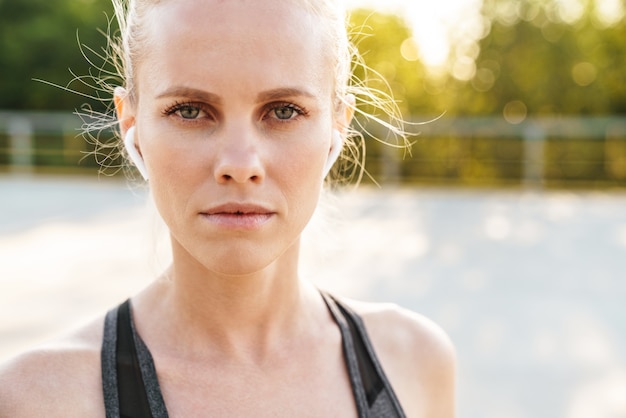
(529, 285)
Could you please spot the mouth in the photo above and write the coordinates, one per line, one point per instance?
(238, 209)
(238, 216)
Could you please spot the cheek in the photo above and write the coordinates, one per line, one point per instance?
(300, 175)
(170, 153)
(303, 159)
(174, 174)
(170, 186)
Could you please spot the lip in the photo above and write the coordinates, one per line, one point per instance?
(238, 216)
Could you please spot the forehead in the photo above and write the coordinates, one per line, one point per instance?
(259, 43)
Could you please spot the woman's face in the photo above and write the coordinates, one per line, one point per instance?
(234, 120)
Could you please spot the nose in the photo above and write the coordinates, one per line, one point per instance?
(238, 159)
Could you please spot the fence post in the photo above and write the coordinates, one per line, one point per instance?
(615, 150)
(534, 140)
(73, 144)
(21, 156)
(390, 167)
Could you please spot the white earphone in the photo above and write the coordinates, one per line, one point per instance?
(129, 143)
(335, 150)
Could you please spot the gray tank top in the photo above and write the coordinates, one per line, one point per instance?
(131, 387)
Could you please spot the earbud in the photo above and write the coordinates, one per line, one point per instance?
(129, 143)
(335, 150)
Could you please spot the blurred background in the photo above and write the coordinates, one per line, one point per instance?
(505, 223)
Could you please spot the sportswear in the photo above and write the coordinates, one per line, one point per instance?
(131, 388)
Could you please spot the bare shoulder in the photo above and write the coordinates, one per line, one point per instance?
(59, 379)
(417, 356)
(400, 329)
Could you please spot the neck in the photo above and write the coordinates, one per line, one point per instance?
(235, 314)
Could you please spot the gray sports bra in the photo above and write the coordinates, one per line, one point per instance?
(131, 387)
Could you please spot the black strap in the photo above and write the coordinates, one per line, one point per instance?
(130, 385)
(372, 382)
(350, 357)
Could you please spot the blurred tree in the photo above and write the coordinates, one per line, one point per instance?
(38, 40)
(547, 60)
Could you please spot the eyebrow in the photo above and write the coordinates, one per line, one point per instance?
(205, 96)
(283, 92)
(190, 93)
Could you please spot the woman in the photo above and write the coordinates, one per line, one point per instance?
(235, 111)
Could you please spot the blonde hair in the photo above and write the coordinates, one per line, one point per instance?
(125, 50)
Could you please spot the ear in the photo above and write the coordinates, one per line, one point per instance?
(124, 109)
(345, 113)
(126, 117)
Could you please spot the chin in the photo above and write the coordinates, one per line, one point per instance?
(238, 258)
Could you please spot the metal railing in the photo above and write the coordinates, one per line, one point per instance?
(32, 139)
(535, 132)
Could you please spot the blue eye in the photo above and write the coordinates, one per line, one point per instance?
(284, 112)
(188, 112)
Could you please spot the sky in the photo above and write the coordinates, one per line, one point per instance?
(436, 25)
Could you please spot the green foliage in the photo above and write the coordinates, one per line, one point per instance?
(38, 40)
(551, 66)
(530, 55)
